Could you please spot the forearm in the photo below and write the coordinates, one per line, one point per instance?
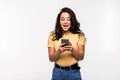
(55, 56)
(78, 54)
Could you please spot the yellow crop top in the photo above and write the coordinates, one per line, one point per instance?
(66, 58)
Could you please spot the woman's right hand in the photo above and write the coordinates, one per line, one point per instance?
(61, 48)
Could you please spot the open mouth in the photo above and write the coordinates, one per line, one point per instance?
(65, 26)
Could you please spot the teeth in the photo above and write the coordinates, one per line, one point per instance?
(65, 25)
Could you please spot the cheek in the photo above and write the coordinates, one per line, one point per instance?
(61, 22)
(69, 23)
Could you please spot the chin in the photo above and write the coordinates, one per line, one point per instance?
(65, 30)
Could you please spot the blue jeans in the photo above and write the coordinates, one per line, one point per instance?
(60, 74)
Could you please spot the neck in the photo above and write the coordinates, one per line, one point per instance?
(66, 32)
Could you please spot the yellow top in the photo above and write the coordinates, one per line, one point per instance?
(66, 58)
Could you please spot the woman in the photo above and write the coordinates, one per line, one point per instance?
(66, 57)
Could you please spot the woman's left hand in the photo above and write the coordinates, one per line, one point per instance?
(69, 47)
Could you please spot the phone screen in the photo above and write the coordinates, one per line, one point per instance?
(66, 41)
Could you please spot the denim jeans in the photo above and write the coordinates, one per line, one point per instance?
(60, 74)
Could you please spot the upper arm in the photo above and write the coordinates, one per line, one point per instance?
(50, 41)
(51, 50)
(81, 45)
(51, 47)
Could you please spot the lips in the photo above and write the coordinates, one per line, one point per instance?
(65, 25)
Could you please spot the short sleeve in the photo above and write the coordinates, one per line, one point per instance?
(50, 41)
(81, 40)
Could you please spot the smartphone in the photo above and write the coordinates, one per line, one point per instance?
(66, 41)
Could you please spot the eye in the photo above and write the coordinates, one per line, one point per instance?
(62, 19)
(68, 18)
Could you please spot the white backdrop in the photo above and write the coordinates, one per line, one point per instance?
(24, 29)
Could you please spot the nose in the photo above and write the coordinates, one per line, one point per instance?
(65, 21)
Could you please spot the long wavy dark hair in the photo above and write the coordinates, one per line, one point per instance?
(74, 28)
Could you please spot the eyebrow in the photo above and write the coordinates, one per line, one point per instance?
(64, 17)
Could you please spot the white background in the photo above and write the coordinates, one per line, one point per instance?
(24, 29)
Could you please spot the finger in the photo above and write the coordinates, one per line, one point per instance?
(69, 46)
(61, 49)
(62, 44)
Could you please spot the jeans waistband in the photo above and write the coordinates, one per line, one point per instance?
(72, 67)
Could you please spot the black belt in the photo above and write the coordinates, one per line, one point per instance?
(72, 67)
